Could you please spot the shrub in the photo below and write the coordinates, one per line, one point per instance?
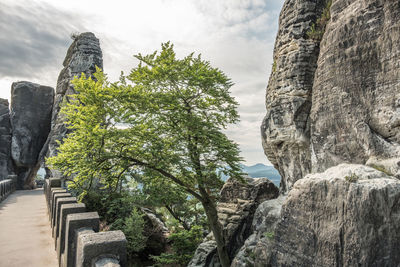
(133, 227)
(110, 206)
(184, 244)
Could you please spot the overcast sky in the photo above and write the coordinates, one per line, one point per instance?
(236, 36)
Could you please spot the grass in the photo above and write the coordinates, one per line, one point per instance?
(381, 169)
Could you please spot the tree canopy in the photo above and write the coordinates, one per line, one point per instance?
(161, 125)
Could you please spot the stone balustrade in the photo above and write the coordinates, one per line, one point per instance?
(7, 186)
(77, 239)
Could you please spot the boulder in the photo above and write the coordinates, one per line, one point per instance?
(83, 56)
(31, 107)
(348, 215)
(236, 207)
(156, 233)
(5, 140)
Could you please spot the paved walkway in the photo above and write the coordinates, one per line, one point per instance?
(25, 233)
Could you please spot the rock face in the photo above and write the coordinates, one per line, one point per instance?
(83, 56)
(5, 140)
(236, 208)
(347, 216)
(255, 250)
(156, 233)
(285, 129)
(336, 100)
(31, 107)
(358, 71)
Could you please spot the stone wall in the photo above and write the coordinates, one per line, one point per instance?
(77, 239)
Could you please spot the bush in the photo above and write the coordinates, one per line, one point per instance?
(133, 227)
(184, 244)
(110, 206)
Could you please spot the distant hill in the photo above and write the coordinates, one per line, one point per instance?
(255, 171)
(261, 170)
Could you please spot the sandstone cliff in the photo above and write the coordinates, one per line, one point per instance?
(5, 140)
(83, 56)
(31, 107)
(332, 98)
(336, 99)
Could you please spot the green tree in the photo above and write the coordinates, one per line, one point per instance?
(163, 123)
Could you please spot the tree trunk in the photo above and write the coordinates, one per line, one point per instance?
(216, 228)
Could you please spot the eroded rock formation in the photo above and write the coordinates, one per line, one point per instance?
(31, 107)
(83, 56)
(347, 216)
(285, 129)
(236, 208)
(336, 100)
(355, 114)
(331, 100)
(255, 250)
(5, 140)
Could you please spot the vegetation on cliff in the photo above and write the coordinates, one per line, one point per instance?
(317, 29)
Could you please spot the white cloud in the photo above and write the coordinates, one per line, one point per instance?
(236, 36)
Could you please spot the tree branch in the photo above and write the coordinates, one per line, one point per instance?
(168, 175)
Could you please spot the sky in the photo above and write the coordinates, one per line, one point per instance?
(236, 36)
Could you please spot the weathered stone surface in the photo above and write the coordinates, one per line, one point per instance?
(5, 140)
(336, 100)
(83, 56)
(156, 232)
(255, 249)
(60, 236)
(56, 195)
(56, 219)
(74, 222)
(205, 255)
(93, 246)
(347, 216)
(355, 113)
(237, 205)
(285, 129)
(31, 107)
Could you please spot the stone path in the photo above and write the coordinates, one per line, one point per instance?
(25, 233)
